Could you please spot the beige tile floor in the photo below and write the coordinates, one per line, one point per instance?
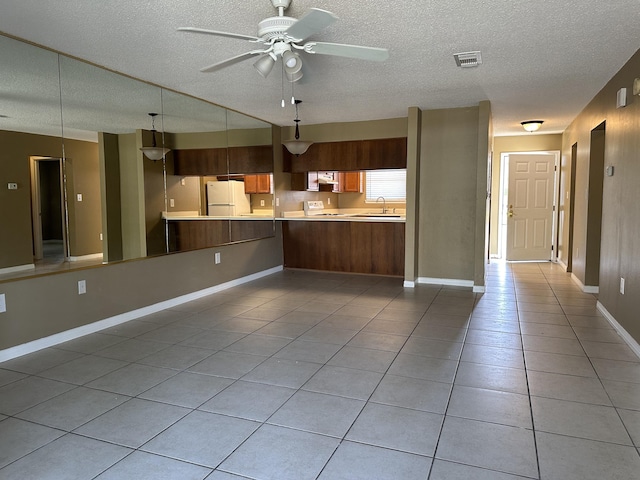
(305, 375)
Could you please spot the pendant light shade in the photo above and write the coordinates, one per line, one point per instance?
(154, 152)
(532, 125)
(297, 147)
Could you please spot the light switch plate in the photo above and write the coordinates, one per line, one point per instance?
(82, 287)
(3, 303)
(636, 86)
(621, 100)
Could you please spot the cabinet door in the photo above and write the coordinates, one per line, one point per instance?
(255, 159)
(200, 161)
(251, 183)
(350, 182)
(263, 184)
(384, 153)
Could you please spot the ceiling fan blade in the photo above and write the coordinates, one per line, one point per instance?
(219, 34)
(350, 51)
(311, 23)
(231, 61)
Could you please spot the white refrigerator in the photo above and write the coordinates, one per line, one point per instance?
(227, 199)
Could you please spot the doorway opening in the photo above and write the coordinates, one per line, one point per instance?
(527, 206)
(49, 213)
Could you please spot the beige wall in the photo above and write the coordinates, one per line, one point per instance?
(16, 243)
(448, 193)
(513, 144)
(620, 248)
(122, 287)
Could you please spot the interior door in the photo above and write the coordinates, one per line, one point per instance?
(530, 207)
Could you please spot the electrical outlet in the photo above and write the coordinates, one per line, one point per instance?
(277, 201)
(101, 237)
(262, 203)
(79, 197)
(3, 303)
(12, 186)
(216, 258)
(82, 287)
(328, 201)
(183, 181)
(622, 285)
(172, 202)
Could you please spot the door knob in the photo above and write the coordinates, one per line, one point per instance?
(511, 214)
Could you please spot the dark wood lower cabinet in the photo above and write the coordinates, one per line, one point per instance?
(187, 235)
(356, 247)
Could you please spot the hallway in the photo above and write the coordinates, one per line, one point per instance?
(304, 375)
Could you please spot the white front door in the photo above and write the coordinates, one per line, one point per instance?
(530, 206)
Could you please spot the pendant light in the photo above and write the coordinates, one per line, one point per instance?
(297, 147)
(154, 152)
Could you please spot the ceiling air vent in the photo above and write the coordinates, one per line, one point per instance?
(468, 59)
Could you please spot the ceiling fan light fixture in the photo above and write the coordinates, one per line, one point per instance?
(532, 125)
(264, 65)
(154, 152)
(294, 77)
(292, 62)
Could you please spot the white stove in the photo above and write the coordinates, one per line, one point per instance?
(316, 208)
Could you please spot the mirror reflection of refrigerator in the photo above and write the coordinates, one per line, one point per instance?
(227, 199)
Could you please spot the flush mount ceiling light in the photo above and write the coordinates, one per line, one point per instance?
(154, 152)
(532, 125)
(297, 147)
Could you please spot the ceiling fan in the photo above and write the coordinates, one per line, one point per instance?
(281, 37)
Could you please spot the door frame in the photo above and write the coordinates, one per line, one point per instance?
(36, 219)
(503, 201)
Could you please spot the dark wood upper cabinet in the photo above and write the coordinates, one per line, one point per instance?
(389, 153)
(200, 161)
(257, 159)
(213, 161)
(349, 156)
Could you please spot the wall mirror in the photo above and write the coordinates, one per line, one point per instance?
(73, 132)
(31, 136)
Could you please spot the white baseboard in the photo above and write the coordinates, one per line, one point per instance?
(633, 344)
(18, 268)
(446, 281)
(35, 345)
(562, 264)
(583, 287)
(93, 256)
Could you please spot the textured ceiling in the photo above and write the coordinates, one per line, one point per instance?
(541, 59)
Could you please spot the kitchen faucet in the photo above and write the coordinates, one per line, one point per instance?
(384, 204)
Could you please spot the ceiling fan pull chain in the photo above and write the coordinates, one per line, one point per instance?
(282, 103)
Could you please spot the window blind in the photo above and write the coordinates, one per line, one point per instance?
(390, 184)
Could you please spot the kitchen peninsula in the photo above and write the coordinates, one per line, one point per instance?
(345, 241)
(191, 231)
